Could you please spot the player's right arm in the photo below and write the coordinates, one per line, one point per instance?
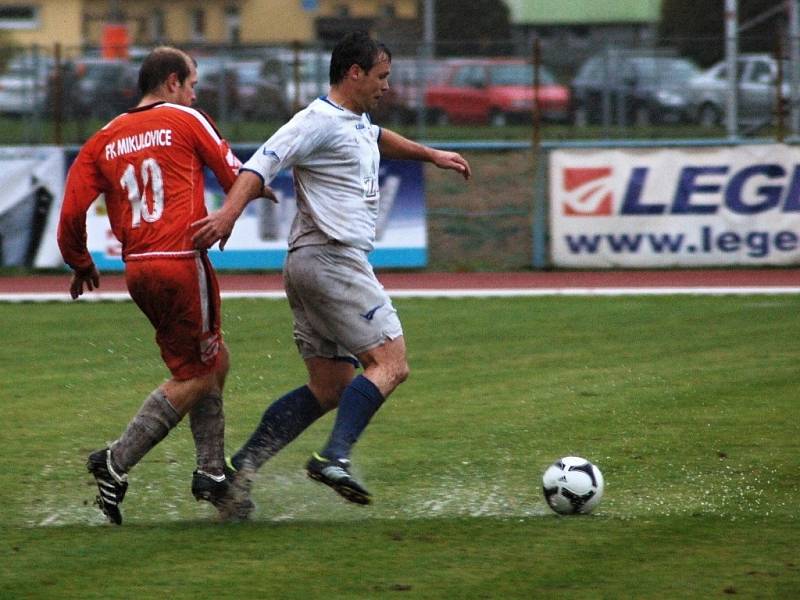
(218, 225)
(84, 184)
(288, 146)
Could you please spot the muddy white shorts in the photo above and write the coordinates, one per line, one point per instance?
(340, 308)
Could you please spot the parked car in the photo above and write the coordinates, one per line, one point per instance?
(756, 76)
(303, 75)
(23, 86)
(408, 82)
(240, 88)
(630, 88)
(216, 89)
(495, 91)
(260, 96)
(100, 88)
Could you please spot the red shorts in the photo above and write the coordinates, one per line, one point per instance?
(181, 298)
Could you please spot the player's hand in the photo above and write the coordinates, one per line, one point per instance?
(215, 227)
(90, 277)
(453, 161)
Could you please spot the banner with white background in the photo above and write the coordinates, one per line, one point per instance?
(259, 239)
(665, 207)
(31, 186)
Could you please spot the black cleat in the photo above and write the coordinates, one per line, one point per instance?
(230, 495)
(111, 485)
(335, 473)
(211, 488)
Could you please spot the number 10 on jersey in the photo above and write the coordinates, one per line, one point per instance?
(141, 207)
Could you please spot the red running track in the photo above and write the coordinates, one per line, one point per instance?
(255, 282)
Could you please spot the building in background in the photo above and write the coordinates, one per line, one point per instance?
(395, 22)
(79, 25)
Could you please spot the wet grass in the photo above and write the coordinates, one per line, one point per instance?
(687, 404)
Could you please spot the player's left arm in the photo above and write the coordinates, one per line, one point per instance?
(394, 145)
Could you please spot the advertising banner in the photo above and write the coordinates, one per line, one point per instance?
(687, 207)
(32, 182)
(259, 238)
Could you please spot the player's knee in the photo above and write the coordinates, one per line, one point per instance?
(406, 371)
(223, 360)
(222, 366)
(400, 373)
(328, 395)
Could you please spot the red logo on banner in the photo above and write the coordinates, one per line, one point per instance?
(587, 192)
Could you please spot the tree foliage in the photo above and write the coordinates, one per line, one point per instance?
(697, 29)
(478, 27)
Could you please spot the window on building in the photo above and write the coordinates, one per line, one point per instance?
(19, 16)
(158, 26)
(388, 10)
(233, 24)
(198, 24)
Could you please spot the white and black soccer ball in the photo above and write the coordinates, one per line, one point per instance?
(572, 485)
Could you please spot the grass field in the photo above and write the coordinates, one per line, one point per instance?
(689, 405)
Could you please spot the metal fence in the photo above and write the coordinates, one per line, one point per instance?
(610, 89)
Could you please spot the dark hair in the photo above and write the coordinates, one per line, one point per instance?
(355, 48)
(160, 64)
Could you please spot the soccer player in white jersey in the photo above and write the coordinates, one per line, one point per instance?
(343, 318)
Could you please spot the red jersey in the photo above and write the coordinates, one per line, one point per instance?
(149, 164)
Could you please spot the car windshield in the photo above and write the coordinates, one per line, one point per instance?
(211, 66)
(28, 70)
(98, 70)
(312, 72)
(518, 74)
(663, 69)
(249, 73)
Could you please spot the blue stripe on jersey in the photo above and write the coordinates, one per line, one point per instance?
(325, 99)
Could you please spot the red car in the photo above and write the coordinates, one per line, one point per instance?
(495, 91)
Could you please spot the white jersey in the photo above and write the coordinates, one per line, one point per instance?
(335, 159)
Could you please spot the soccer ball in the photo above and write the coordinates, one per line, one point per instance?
(572, 485)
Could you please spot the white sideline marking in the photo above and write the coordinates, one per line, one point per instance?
(457, 293)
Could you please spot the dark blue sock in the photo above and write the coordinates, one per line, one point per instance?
(284, 420)
(360, 400)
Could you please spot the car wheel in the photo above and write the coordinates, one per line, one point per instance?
(497, 118)
(641, 116)
(709, 116)
(436, 116)
(581, 117)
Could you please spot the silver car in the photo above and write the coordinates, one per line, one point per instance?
(23, 86)
(756, 76)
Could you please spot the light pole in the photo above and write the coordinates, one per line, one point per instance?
(428, 52)
(731, 56)
(793, 7)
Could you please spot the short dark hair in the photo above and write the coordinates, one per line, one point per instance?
(160, 64)
(355, 48)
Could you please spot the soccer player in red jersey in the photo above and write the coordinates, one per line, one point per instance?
(148, 162)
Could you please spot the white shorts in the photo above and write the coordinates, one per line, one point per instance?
(340, 308)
